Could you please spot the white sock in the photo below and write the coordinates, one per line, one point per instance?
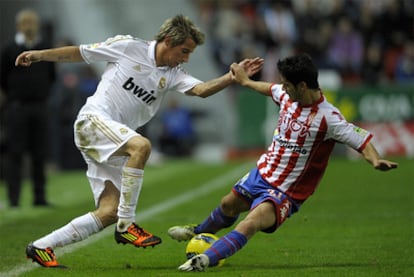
(132, 179)
(78, 229)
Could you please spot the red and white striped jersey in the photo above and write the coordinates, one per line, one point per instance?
(302, 143)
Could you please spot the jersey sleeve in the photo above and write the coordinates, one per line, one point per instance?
(345, 132)
(110, 50)
(183, 81)
(277, 93)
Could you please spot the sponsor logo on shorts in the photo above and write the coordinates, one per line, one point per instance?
(284, 211)
(243, 191)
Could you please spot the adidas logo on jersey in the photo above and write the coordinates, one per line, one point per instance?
(145, 96)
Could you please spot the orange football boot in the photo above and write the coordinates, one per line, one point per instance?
(137, 236)
(44, 257)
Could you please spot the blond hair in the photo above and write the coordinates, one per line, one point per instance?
(179, 28)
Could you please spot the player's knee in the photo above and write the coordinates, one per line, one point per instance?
(232, 206)
(139, 146)
(229, 207)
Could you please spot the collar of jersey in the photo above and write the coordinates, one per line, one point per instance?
(320, 100)
(151, 55)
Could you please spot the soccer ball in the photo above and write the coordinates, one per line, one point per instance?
(200, 243)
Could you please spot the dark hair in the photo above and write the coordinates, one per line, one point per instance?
(299, 68)
(179, 28)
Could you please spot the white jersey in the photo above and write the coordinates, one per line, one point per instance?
(132, 86)
(302, 143)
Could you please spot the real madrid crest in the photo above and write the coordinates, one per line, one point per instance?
(162, 83)
(123, 131)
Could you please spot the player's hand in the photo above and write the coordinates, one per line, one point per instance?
(27, 58)
(252, 66)
(238, 73)
(385, 165)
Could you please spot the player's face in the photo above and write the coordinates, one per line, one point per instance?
(179, 54)
(291, 90)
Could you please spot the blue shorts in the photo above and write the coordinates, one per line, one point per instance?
(255, 190)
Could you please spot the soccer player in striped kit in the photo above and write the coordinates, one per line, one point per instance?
(137, 77)
(289, 172)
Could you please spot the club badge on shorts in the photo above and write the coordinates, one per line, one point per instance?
(123, 131)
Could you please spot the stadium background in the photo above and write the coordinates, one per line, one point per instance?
(368, 85)
(359, 223)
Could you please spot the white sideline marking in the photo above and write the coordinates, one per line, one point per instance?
(145, 214)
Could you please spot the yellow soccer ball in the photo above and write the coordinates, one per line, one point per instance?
(200, 243)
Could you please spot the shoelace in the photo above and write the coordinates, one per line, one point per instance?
(141, 232)
(50, 252)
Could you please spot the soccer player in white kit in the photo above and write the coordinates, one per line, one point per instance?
(289, 172)
(137, 77)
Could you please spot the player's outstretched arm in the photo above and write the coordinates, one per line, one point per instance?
(241, 76)
(251, 66)
(371, 155)
(61, 54)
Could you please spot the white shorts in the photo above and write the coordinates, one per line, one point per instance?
(98, 139)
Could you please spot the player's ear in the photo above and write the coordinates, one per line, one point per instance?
(167, 41)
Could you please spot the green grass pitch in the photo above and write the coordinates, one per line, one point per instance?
(360, 222)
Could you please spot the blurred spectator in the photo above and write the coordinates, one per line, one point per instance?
(368, 23)
(228, 28)
(315, 32)
(391, 55)
(396, 24)
(404, 69)
(178, 137)
(372, 72)
(26, 117)
(281, 26)
(206, 9)
(345, 51)
(346, 35)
